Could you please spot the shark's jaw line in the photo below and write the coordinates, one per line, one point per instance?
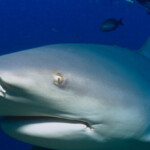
(49, 118)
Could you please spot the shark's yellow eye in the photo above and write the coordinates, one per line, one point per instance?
(58, 79)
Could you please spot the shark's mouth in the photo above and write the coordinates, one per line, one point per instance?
(46, 130)
(45, 119)
(31, 129)
(6, 88)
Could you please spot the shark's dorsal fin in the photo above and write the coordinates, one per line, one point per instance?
(145, 50)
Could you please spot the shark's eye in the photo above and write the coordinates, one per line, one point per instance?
(58, 79)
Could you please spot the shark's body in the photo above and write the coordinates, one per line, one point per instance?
(78, 96)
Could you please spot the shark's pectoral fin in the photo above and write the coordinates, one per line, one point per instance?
(145, 50)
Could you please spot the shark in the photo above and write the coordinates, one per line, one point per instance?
(77, 97)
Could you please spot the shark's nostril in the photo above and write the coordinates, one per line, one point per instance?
(2, 91)
(2, 88)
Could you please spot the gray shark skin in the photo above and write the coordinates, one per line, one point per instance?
(76, 97)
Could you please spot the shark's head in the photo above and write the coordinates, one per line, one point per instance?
(74, 96)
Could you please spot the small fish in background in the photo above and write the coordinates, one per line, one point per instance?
(145, 4)
(110, 24)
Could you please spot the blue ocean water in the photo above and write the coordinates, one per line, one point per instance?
(31, 23)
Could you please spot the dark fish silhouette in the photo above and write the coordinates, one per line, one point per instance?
(110, 24)
(145, 4)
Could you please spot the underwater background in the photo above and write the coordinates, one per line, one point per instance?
(31, 23)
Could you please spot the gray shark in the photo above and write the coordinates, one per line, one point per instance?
(77, 97)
